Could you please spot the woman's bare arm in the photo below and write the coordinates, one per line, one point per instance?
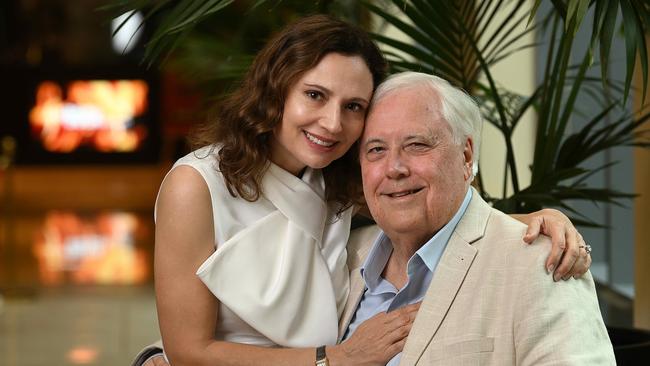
(187, 311)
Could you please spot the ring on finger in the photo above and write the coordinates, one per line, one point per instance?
(587, 248)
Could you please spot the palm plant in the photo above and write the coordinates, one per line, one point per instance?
(461, 40)
(453, 39)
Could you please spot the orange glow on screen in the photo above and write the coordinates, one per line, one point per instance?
(96, 113)
(91, 250)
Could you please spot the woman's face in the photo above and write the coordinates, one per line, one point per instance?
(323, 113)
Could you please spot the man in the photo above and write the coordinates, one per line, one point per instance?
(485, 296)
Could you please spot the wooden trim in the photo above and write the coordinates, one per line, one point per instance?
(641, 223)
(41, 188)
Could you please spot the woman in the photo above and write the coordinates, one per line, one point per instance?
(251, 229)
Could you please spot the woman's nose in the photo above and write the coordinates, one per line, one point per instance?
(332, 119)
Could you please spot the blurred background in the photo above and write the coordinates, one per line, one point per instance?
(88, 130)
(85, 138)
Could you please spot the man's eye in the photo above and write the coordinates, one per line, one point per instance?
(375, 150)
(313, 94)
(418, 146)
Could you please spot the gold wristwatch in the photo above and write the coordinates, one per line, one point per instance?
(321, 357)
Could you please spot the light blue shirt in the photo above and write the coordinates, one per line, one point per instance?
(381, 295)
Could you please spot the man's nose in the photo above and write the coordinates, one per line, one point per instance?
(397, 166)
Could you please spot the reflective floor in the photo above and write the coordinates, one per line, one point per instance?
(76, 288)
(76, 326)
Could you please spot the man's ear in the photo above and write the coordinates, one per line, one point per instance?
(468, 156)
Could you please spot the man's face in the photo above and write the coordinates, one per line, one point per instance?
(414, 175)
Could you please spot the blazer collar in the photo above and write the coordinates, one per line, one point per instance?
(357, 288)
(359, 244)
(473, 224)
(447, 279)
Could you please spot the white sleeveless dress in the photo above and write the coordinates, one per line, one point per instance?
(279, 269)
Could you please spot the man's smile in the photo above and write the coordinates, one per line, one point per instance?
(403, 193)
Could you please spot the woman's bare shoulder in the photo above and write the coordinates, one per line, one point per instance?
(184, 209)
(183, 187)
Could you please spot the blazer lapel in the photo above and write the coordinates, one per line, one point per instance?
(357, 288)
(359, 244)
(446, 282)
(456, 261)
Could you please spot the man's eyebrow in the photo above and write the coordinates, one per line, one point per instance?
(431, 137)
(379, 140)
(374, 140)
(412, 137)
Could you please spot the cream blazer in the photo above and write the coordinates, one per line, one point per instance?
(491, 302)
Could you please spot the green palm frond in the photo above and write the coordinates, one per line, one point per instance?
(435, 26)
(444, 34)
(636, 25)
(461, 41)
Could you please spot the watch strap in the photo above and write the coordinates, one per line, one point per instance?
(321, 357)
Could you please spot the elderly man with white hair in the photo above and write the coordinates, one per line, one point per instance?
(485, 296)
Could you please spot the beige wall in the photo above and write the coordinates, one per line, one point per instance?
(641, 221)
(515, 73)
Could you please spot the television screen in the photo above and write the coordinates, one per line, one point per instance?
(84, 117)
(101, 115)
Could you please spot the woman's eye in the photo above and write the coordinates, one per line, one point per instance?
(375, 150)
(313, 94)
(354, 107)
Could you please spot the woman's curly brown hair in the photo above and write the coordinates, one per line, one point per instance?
(247, 117)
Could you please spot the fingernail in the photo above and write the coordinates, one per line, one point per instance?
(556, 277)
(566, 277)
(550, 269)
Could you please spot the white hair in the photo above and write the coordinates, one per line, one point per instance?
(459, 109)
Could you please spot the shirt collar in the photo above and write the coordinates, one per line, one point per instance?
(376, 261)
(430, 252)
